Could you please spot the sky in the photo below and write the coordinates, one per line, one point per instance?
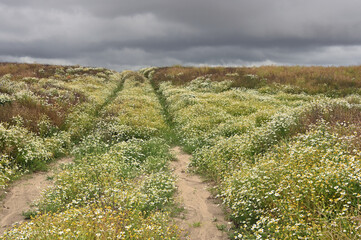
(123, 34)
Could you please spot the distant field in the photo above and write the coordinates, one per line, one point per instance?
(334, 81)
(281, 144)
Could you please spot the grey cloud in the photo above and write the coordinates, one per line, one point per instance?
(132, 34)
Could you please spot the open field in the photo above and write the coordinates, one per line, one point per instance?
(280, 145)
(332, 81)
(286, 156)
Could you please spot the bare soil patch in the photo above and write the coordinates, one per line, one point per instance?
(203, 217)
(23, 192)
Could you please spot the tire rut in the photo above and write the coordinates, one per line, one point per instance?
(202, 213)
(22, 193)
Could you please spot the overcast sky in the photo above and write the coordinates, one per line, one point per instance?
(122, 34)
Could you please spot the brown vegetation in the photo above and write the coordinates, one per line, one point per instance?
(21, 70)
(338, 115)
(335, 81)
(31, 113)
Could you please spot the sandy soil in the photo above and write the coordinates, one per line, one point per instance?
(22, 193)
(202, 213)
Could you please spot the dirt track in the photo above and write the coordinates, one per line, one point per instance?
(199, 220)
(22, 193)
(202, 214)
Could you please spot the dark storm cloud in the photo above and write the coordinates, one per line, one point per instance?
(133, 34)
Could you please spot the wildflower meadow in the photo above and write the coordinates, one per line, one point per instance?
(283, 154)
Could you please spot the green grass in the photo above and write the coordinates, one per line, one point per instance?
(196, 224)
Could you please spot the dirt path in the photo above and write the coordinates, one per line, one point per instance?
(202, 214)
(22, 193)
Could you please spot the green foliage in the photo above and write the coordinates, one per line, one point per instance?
(276, 183)
(5, 98)
(234, 152)
(8, 170)
(203, 84)
(287, 163)
(23, 147)
(119, 185)
(96, 176)
(305, 188)
(136, 112)
(202, 117)
(41, 113)
(94, 222)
